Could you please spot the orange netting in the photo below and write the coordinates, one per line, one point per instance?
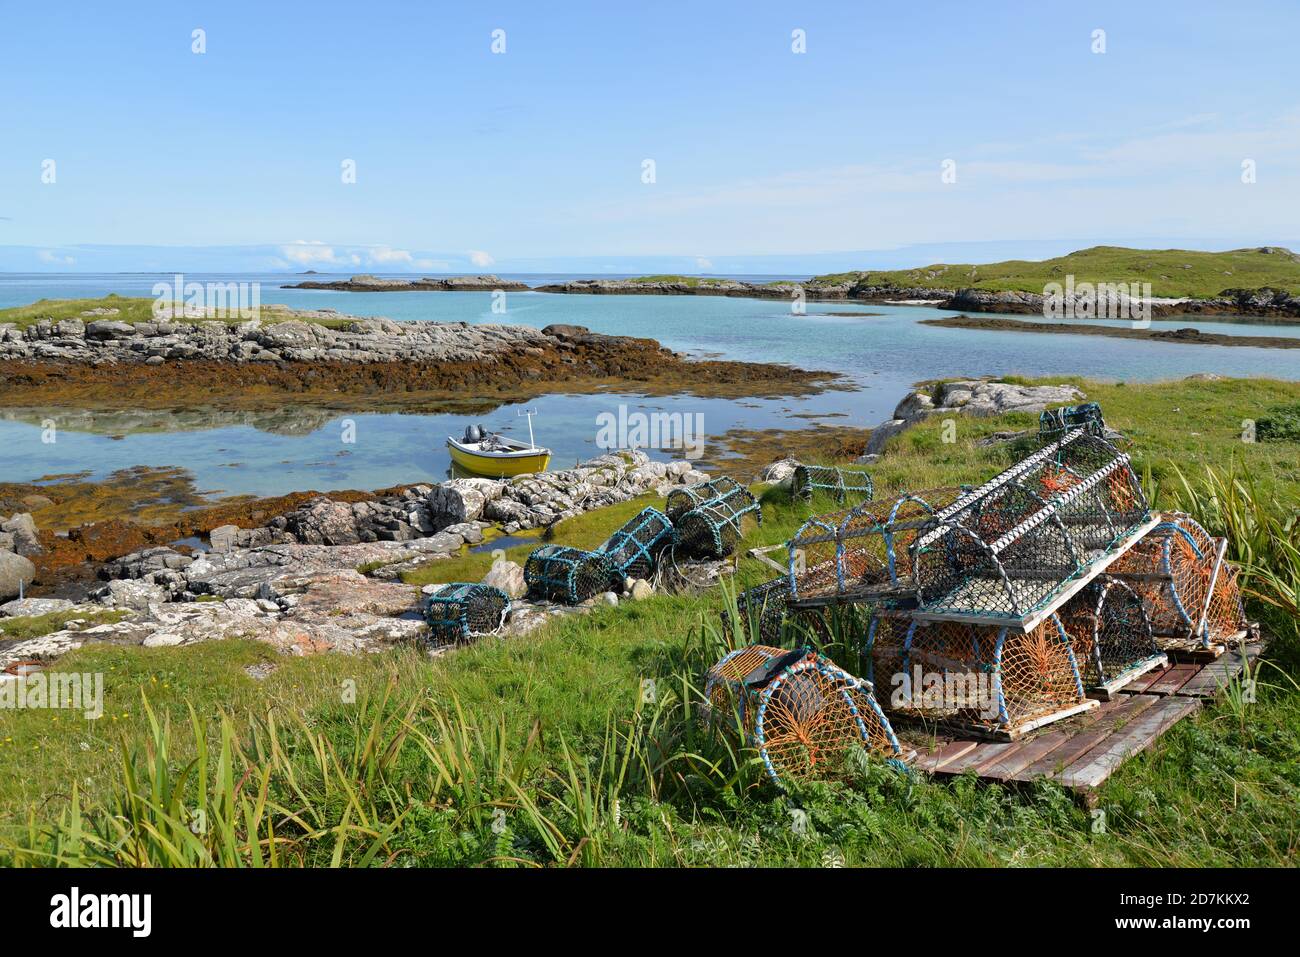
(1109, 631)
(807, 717)
(990, 677)
(1172, 569)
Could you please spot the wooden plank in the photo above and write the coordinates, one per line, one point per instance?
(1079, 744)
(1124, 682)
(986, 752)
(1215, 676)
(1173, 678)
(1140, 686)
(934, 760)
(1030, 750)
(1095, 766)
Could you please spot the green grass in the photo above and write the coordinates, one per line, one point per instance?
(131, 310)
(578, 744)
(34, 626)
(690, 281)
(1171, 272)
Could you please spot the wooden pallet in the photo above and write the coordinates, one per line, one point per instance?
(1083, 752)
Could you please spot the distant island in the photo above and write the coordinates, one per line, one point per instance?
(1261, 282)
(368, 283)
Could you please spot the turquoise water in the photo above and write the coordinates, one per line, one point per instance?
(882, 349)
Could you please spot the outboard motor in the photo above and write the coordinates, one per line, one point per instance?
(473, 433)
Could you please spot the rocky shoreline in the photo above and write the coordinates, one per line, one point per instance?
(1253, 303)
(98, 359)
(326, 575)
(1188, 336)
(368, 283)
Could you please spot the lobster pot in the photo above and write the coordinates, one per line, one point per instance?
(841, 484)
(1189, 590)
(682, 500)
(460, 612)
(808, 718)
(1010, 547)
(634, 549)
(568, 575)
(1111, 634)
(989, 679)
(863, 552)
(1054, 423)
(762, 611)
(714, 529)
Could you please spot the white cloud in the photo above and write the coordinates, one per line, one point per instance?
(46, 256)
(480, 258)
(306, 253)
(386, 256)
(703, 264)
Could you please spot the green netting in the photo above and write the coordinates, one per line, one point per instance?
(1008, 548)
(682, 500)
(1055, 423)
(1110, 631)
(460, 611)
(634, 549)
(568, 575)
(714, 529)
(841, 484)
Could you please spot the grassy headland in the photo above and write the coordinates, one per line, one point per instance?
(549, 749)
(1172, 273)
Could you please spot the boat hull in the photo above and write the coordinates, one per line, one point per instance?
(498, 466)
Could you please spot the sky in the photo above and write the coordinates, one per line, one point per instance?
(535, 158)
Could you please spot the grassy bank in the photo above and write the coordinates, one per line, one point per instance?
(134, 310)
(1171, 272)
(579, 745)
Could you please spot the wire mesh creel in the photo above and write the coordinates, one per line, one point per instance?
(1188, 588)
(681, 500)
(761, 611)
(715, 528)
(568, 575)
(841, 484)
(863, 552)
(806, 716)
(985, 677)
(1008, 548)
(634, 549)
(1054, 423)
(460, 611)
(1110, 632)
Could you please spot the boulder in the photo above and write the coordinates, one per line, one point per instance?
(16, 573)
(109, 329)
(323, 522)
(457, 501)
(508, 576)
(23, 529)
(779, 472)
(641, 590)
(29, 607)
(136, 594)
(224, 537)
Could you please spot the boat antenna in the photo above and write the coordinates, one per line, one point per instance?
(530, 413)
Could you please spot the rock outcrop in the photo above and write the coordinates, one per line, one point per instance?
(368, 283)
(977, 397)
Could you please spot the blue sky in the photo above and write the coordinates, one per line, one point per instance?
(532, 159)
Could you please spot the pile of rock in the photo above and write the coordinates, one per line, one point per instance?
(280, 336)
(18, 543)
(460, 508)
(967, 397)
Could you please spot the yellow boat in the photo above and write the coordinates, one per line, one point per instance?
(495, 456)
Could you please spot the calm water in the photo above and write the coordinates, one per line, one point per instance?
(883, 349)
